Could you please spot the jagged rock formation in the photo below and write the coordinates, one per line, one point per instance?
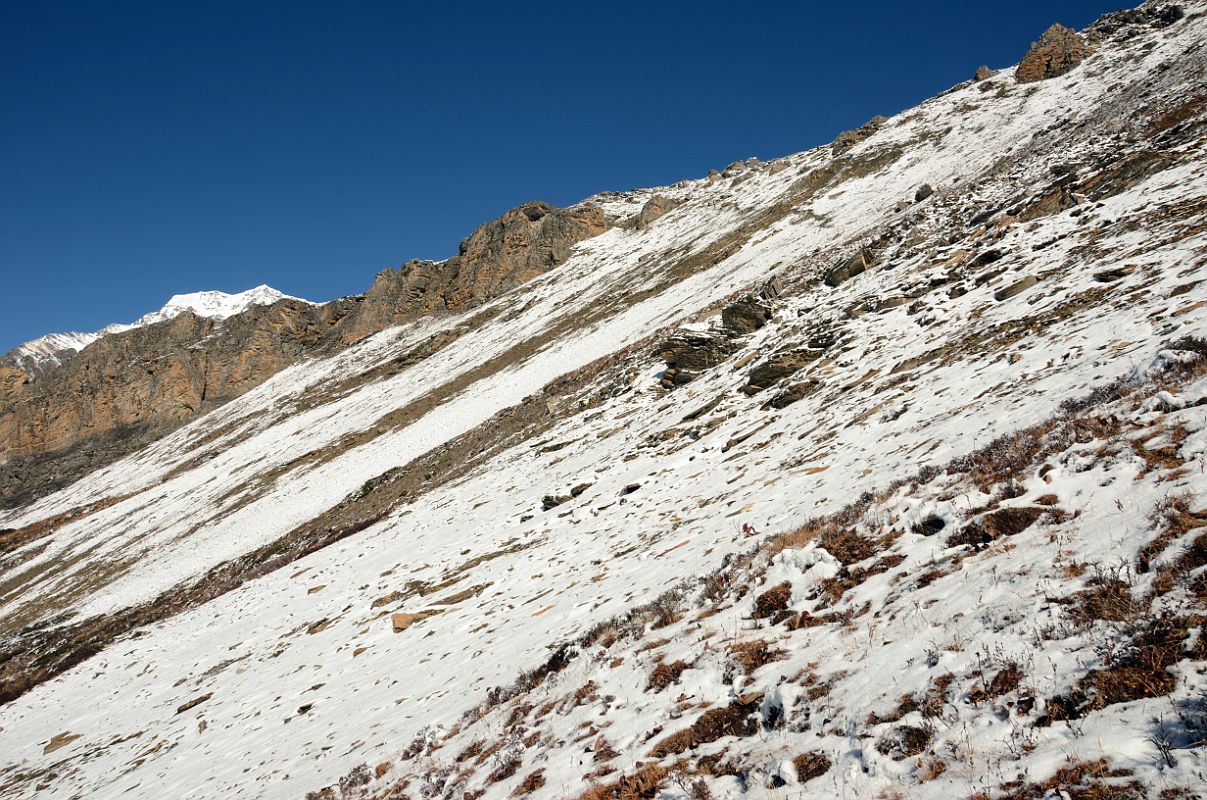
(498, 256)
(689, 352)
(39, 357)
(654, 209)
(1058, 51)
(848, 139)
(129, 388)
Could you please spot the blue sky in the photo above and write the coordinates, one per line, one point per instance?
(150, 149)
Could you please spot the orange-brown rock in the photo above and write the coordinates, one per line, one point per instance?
(497, 257)
(1058, 51)
(403, 621)
(12, 384)
(654, 209)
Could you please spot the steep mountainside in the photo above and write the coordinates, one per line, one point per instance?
(877, 470)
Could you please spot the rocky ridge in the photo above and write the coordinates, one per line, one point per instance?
(132, 384)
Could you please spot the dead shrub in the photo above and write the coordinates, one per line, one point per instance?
(1084, 780)
(663, 675)
(773, 600)
(532, 782)
(810, 765)
(1108, 599)
(1136, 672)
(643, 784)
(1005, 459)
(749, 656)
(904, 741)
(736, 719)
(847, 546)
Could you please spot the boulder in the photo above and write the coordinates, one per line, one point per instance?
(1125, 24)
(402, 621)
(695, 350)
(848, 139)
(849, 267)
(1125, 173)
(924, 191)
(1058, 51)
(983, 73)
(1015, 289)
(550, 501)
(794, 392)
(746, 315)
(1114, 274)
(654, 208)
(1054, 200)
(778, 367)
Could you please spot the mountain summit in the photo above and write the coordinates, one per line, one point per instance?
(877, 470)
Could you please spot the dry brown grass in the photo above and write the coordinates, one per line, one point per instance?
(641, 784)
(533, 781)
(749, 656)
(1137, 671)
(773, 601)
(1083, 780)
(735, 719)
(810, 765)
(848, 546)
(1109, 598)
(663, 675)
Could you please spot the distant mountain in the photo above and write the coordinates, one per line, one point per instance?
(43, 354)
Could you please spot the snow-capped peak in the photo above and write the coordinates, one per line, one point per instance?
(213, 304)
(47, 352)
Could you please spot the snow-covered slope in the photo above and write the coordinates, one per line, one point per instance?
(46, 352)
(492, 554)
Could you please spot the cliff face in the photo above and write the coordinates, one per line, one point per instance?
(498, 256)
(127, 389)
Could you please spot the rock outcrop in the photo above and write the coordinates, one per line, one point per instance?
(849, 267)
(127, 389)
(654, 209)
(1128, 22)
(497, 257)
(1057, 52)
(688, 352)
(848, 139)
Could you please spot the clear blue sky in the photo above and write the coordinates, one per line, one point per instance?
(154, 148)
